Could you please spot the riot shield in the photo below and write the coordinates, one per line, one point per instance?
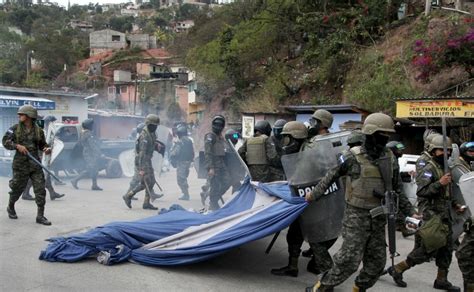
(127, 162)
(199, 166)
(157, 163)
(322, 220)
(466, 184)
(163, 134)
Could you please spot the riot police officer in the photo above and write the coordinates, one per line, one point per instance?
(320, 122)
(26, 137)
(236, 174)
(144, 177)
(259, 153)
(277, 171)
(435, 202)
(396, 148)
(363, 236)
(91, 154)
(425, 155)
(294, 134)
(214, 159)
(181, 157)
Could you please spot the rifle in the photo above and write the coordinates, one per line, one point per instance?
(390, 204)
(43, 167)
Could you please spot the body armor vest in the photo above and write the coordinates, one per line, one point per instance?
(218, 148)
(256, 152)
(360, 191)
(187, 153)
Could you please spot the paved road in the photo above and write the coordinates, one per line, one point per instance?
(243, 269)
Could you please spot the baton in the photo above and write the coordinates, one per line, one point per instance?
(43, 167)
(146, 186)
(158, 185)
(269, 247)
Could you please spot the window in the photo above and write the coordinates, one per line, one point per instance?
(123, 89)
(115, 38)
(111, 90)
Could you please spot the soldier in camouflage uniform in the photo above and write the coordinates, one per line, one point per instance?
(425, 155)
(26, 137)
(91, 154)
(259, 153)
(355, 139)
(144, 173)
(214, 159)
(53, 195)
(277, 171)
(181, 156)
(434, 198)
(465, 255)
(363, 236)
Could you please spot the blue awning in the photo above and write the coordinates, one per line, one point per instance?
(10, 101)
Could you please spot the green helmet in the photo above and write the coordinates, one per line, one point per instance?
(295, 129)
(29, 111)
(152, 119)
(324, 116)
(428, 138)
(378, 122)
(437, 143)
(87, 124)
(356, 138)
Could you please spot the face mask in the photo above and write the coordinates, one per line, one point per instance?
(439, 159)
(277, 132)
(217, 129)
(290, 145)
(152, 128)
(375, 144)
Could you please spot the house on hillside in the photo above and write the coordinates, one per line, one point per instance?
(183, 26)
(81, 25)
(105, 40)
(108, 40)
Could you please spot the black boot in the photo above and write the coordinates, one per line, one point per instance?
(148, 206)
(398, 276)
(307, 253)
(442, 283)
(311, 267)
(96, 188)
(11, 211)
(290, 270)
(40, 219)
(213, 206)
(127, 198)
(55, 196)
(27, 197)
(154, 196)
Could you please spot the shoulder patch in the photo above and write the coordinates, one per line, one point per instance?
(210, 137)
(421, 163)
(427, 174)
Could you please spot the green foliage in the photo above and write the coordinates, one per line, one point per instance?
(36, 80)
(121, 23)
(12, 57)
(373, 84)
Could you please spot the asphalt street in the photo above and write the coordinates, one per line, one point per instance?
(246, 268)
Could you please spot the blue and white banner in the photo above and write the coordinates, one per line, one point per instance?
(10, 101)
(181, 237)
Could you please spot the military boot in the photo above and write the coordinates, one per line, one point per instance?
(55, 196)
(40, 219)
(307, 253)
(318, 287)
(149, 206)
(74, 183)
(27, 197)
(127, 198)
(95, 186)
(312, 268)
(397, 273)
(185, 196)
(154, 196)
(292, 268)
(11, 211)
(442, 283)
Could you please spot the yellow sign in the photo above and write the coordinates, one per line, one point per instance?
(435, 109)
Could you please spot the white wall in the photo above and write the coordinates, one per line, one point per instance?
(67, 106)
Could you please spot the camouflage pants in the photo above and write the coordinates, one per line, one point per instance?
(21, 175)
(219, 184)
(260, 173)
(363, 241)
(295, 240)
(140, 183)
(419, 254)
(182, 173)
(465, 255)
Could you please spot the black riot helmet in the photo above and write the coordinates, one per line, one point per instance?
(232, 135)
(278, 127)
(396, 148)
(87, 124)
(263, 127)
(182, 130)
(467, 151)
(218, 124)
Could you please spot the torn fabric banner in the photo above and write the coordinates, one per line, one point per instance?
(181, 237)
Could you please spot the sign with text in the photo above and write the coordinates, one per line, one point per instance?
(435, 109)
(16, 102)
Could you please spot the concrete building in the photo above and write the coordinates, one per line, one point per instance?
(183, 26)
(105, 40)
(142, 41)
(81, 25)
